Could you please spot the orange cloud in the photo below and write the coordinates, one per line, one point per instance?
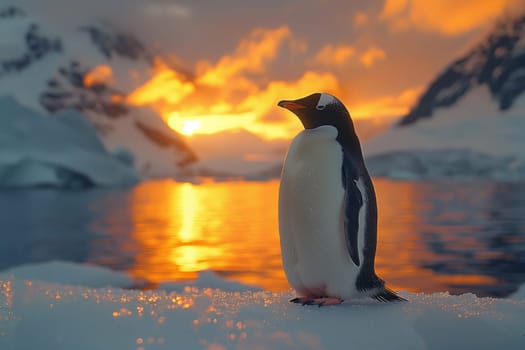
(360, 19)
(393, 7)
(256, 112)
(448, 17)
(234, 92)
(387, 106)
(101, 74)
(250, 56)
(334, 55)
(263, 103)
(167, 86)
(371, 55)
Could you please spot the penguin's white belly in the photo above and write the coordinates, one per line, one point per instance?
(311, 217)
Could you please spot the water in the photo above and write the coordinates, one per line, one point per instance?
(433, 236)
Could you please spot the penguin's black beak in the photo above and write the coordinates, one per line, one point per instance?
(291, 105)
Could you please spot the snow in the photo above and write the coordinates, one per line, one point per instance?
(470, 139)
(69, 315)
(452, 90)
(62, 272)
(151, 159)
(209, 279)
(28, 85)
(520, 293)
(63, 151)
(13, 45)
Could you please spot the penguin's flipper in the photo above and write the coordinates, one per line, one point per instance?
(353, 200)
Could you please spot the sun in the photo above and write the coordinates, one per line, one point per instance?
(189, 127)
(185, 127)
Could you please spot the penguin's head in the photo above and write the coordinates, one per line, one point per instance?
(319, 109)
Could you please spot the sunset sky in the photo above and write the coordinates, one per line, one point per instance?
(223, 65)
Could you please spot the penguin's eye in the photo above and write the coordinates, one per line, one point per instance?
(320, 107)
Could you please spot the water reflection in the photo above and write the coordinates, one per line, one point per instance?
(42, 225)
(492, 249)
(461, 236)
(230, 228)
(455, 236)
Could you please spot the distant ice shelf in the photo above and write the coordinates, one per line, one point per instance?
(449, 164)
(471, 139)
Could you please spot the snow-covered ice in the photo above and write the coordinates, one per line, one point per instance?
(44, 315)
(209, 279)
(62, 151)
(63, 272)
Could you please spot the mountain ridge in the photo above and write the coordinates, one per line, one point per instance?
(496, 62)
(48, 71)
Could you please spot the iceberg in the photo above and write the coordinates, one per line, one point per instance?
(35, 313)
(63, 151)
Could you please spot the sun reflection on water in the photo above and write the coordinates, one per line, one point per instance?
(188, 203)
(181, 229)
(186, 254)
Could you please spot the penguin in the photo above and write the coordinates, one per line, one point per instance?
(327, 209)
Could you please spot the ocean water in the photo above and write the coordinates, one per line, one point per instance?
(433, 236)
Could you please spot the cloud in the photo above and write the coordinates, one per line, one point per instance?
(166, 87)
(331, 55)
(102, 74)
(389, 105)
(449, 17)
(250, 56)
(360, 19)
(167, 9)
(371, 55)
(236, 91)
(393, 8)
(263, 102)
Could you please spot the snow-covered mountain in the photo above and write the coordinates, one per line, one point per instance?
(469, 122)
(90, 68)
(497, 63)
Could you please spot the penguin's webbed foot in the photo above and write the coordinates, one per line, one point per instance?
(325, 301)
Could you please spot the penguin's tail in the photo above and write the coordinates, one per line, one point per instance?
(387, 295)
